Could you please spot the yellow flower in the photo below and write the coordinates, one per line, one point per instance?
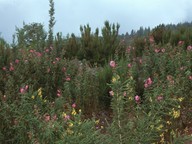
(130, 98)
(97, 121)
(181, 99)
(64, 114)
(69, 131)
(162, 138)
(102, 127)
(79, 110)
(159, 127)
(115, 78)
(33, 97)
(39, 92)
(70, 124)
(176, 114)
(168, 122)
(73, 112)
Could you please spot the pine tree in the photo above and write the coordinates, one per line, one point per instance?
(51, 22)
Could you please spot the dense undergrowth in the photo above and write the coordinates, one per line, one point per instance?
(54, 94)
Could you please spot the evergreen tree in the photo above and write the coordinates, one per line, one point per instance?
(51, 22)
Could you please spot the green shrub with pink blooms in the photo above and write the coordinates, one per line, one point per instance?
(97, 89)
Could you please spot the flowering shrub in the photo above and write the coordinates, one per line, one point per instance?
(46, 98)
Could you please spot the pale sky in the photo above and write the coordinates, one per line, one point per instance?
(70, 14)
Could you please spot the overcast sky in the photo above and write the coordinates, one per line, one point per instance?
(70, 14)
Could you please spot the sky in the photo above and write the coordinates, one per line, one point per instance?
(70, 14)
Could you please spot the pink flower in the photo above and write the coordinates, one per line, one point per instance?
(151, 39)
(189, 48)
(140, 61)
(66, 117)
(58, 93)
(145, 85)
(111, 93)
(46, 50)
(73, 105)
(129, 65)
(137, 99)
(57, 59)
(157, 50)
(180, 43)
(26, 87)
(22, 90)
(54, 62)
(47, 118)
(112, 64)
(162, 50)
(124, 93)
(68, 78)
(148, 82)
(159, 98)
(4, 68)
(63, 69)
(11, 68)
(190, 77)
(38, 54)
(16, 61)
(31, 51)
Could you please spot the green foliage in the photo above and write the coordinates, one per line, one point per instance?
(51, 22)
(31, 35)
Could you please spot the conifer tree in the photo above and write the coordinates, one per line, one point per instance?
(51, 22)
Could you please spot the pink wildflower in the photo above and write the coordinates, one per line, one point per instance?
(151, 39)
(22, 90)
(111, 93)
(137, 99)
(63, 69)
(162, 50)
(190, 77)
(4, 68)
(73, 105)
(58, 93)
(68, 78)
(16, 61)
(26, 87)
(148, 82)
(159, 98)
(189, 48)
(129, 65)
(46, 50)
(112, 64)
(11, 68)
(47, 117)
(66, 117)
(180, 43)
(157, 50)
(57, 59)
(31, 51)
